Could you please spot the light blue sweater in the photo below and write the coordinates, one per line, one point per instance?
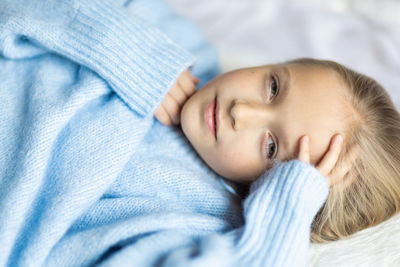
(87, 174)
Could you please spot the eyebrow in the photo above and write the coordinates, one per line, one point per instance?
(284, 81)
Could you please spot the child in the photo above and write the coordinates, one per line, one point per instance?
(353, 97)
(89, 177)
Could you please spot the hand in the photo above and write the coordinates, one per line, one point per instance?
(169, 110)
(327, 163)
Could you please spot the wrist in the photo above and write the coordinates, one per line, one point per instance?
(301, 184)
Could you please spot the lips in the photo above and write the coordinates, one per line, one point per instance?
(210, 118)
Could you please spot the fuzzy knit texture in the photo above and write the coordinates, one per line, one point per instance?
(89, 177)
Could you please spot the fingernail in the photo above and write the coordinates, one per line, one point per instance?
(340, 139)
(306, 139)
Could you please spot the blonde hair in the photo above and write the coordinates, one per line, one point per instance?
(370, 193)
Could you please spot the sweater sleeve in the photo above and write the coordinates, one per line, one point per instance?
(138, 61)
(279, 211)
(278, 214)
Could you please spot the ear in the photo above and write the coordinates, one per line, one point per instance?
(345, 172)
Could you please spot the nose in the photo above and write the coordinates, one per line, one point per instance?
(249, 114)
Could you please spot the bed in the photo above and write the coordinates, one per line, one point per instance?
(362, 34)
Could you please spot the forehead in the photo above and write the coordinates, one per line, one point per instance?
(316, 83)
(315, 105)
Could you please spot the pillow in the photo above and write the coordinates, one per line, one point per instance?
(375, 246)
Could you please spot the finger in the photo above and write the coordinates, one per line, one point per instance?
(162, 116)
(172, 108)
(178, 95)
(194, 78)
(339, 173)
(304, 149)
(187, 84)
(331, 156)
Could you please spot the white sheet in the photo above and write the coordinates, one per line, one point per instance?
(362, 34)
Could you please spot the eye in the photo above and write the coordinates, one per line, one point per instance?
(273, 88)
(270, 147)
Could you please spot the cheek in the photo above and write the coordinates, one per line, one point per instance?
(192, 120)
(238, 163)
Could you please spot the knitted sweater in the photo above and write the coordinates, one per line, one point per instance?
(87, 174)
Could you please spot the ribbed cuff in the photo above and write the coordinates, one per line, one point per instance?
(278, 212)
(137, 60)
(297, 177)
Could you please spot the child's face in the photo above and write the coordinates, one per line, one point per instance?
(304, 100)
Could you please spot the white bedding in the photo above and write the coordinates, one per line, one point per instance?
(362, 34)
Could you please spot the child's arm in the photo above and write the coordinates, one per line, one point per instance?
(278, 214)
(138, 61)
